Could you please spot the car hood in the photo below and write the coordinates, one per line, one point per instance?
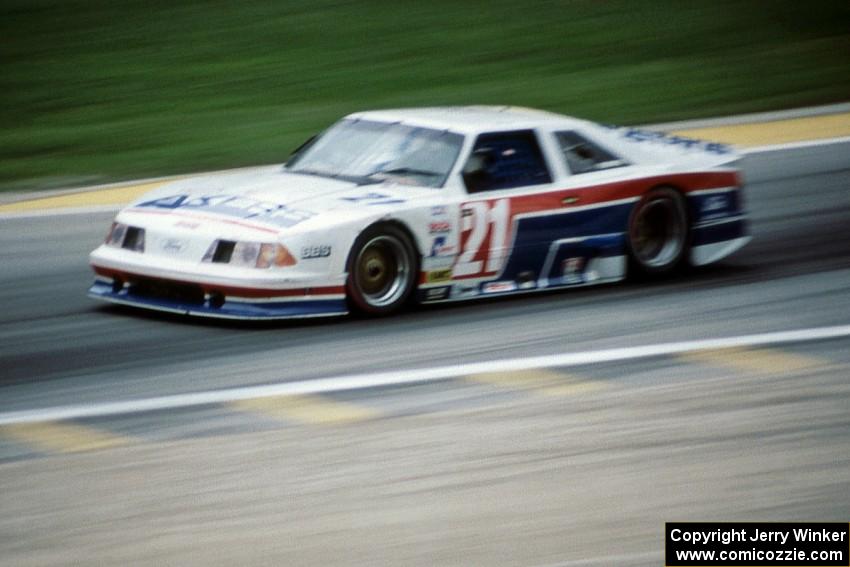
(273, 196)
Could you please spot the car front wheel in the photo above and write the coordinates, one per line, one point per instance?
(382, 271)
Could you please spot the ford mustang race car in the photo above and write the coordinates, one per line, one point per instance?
(426, 205)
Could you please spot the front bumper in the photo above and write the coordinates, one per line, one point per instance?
(221, 291)
(215, 300)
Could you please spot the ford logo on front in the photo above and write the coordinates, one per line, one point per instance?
(173, 245)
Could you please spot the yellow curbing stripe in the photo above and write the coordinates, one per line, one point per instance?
(540, 381)
(60, 437)
(758, 361)
(117, 196)
(308, 409)
(778, 132)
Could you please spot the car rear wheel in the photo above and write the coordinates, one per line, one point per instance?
(658, 232)
(382, 271)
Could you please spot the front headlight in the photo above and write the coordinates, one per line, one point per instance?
(126, 236)
(249, 254)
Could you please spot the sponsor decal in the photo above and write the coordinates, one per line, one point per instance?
(713, 203)
(437, 293)
(525, 280)
(571, 269)
(440, 248)
(498, 287)
(437, 263)
(465, 290)
(373, 198)
(639, 135)
(437, 227)
(173, 245)
(187, 224)
(232, 205)
(317, 251)
(438, 210)
(436, 276)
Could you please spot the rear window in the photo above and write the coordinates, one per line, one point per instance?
(583, 155)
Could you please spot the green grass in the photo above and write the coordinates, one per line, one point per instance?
(100, 90)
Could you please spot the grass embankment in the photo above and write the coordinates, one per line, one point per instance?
(98, 90)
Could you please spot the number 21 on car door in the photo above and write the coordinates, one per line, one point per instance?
(484, 238)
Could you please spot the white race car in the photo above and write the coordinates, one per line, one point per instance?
(425, 205)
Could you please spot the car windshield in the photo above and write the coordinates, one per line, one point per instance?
(373, 152)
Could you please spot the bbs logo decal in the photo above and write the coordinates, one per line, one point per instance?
(318, 251)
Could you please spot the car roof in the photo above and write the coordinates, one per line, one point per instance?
(472, 119)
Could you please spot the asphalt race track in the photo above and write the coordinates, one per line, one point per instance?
(577, 466)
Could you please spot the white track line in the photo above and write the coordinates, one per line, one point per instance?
(401, 377)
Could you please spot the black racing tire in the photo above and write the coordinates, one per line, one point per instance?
(658, 233)
(383, 268)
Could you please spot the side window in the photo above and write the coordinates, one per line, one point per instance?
(583, 156)
(504, 160)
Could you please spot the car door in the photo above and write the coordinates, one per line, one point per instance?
(504, 170)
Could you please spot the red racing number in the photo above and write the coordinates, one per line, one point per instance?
(483, 238)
